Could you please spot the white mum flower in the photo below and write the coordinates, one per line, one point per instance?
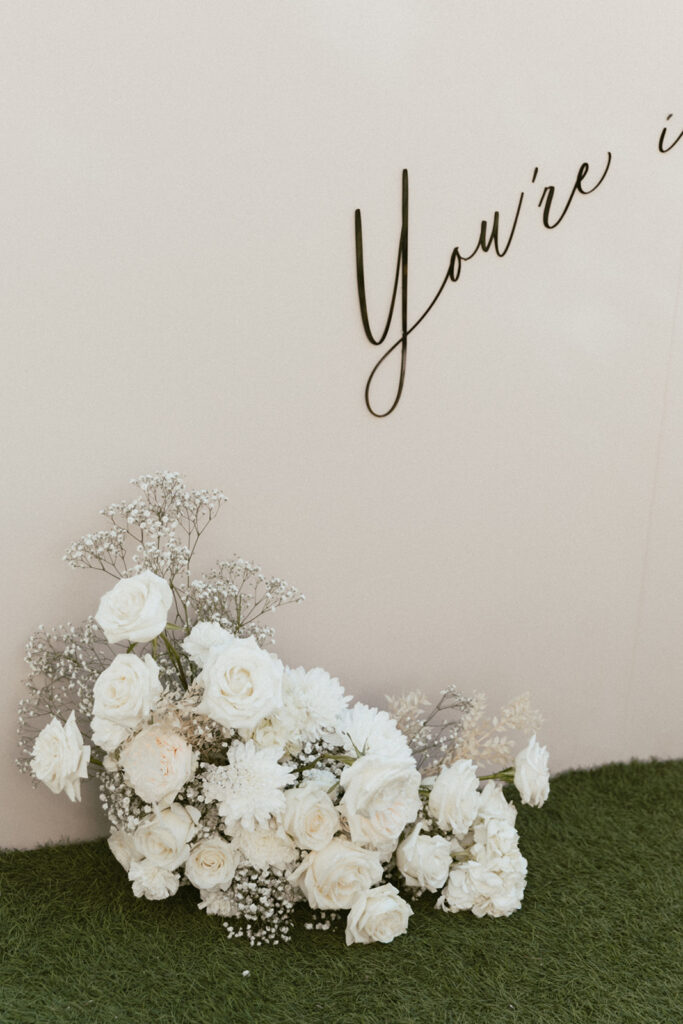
(371, 731)
(249, 789)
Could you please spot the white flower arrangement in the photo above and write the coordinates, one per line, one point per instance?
(221, 768)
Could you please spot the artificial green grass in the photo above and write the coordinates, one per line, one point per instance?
(598, 939)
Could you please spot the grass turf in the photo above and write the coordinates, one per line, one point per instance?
(598, 939)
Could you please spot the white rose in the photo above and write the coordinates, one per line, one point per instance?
(424, 861)
(136, 609)
(454, 798)
(212, 863)
(381, 796)
(268, 847)
(60, 759)
(124, 695)
(242, 684)
(378, 915)
(151, 881)
(310, 818)
(332, 878)
(122, 845)
(163, 838)
(157, 763)
(531, 773)
(202, 638)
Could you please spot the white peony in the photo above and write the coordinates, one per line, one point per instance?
(378, 915)
(157, 763)
(136, 609)
(212, 863)
(122, 845)
(454, 798)
(124, 693)
(332, 878)
(249, 789)
(531, 773)
(242, 684)
(151, 881)
(310, 817)
(60, 759)
(367, 730)
(264, 848)
(202, 638)
(164, 837)
(381, 797)
(424, 861)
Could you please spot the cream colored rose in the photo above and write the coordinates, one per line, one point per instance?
(454, 798)
(202, 638)
(378, 915)
(332, 878)
(60, 759)
(157, 763)
(151, 881)
(136, 609)
(381, 797)
(122, 845)
(124, 693)
(164, 837)
(310, 818)
(424, 861)
(531, 773)
(212, 863)
(242, 684)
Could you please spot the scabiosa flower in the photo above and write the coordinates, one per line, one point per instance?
(249, 789)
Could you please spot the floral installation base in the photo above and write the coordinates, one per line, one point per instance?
(261, 785)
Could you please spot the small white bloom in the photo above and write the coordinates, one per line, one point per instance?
(212, 863)
(424, 861)
(215, 901)
(122, 845)
(60, 759)
(367, 730)
(333, 877)
(124, 694)
(249, 789)
(157, 763)
(454, 798)
(378, 915)
(310, 818)
(202, 638)
(531, 773)
(136, 609)
(163, 837)
(151, 881)
(242, 684)
(381, 796)
(263, 848)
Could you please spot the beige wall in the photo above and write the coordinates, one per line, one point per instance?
(177, 191)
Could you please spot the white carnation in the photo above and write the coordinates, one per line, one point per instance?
(122, 845)
(454, 797)
(164, 837)
(151, 881)
(378, 915)
(264, 848)
(249, 789)
(60, 759)
(531, 773)
(107, 734)
(367, 730)
(424, 861)
(242, 684)
(381, 797)
(157, 763)
(202, 638)
(136, 609)
(492, 804)
(212, 863)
